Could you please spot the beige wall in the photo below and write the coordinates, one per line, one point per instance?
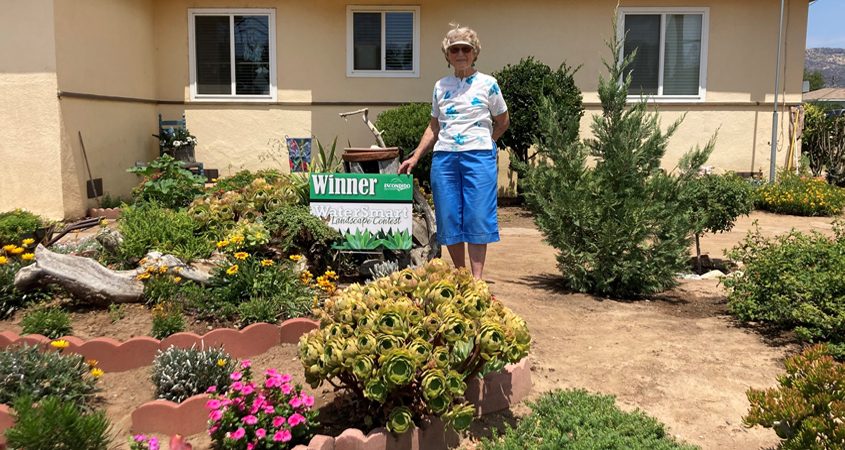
(740, 76)
(30, 167)
(105, 47)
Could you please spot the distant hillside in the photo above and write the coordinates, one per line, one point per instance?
(831, 63)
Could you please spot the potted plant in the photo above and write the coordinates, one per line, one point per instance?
(178, 143)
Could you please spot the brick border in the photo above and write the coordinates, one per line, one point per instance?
(496, 392)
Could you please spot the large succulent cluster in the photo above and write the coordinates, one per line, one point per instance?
(250, 202)
(406, 344)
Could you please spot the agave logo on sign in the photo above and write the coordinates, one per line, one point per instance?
(370, 211)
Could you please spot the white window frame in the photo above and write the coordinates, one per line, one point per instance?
(231, 13)
(705, 39)
(350, 44)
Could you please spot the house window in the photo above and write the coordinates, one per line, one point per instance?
(232, 54)
(671, 46)
(382, 41)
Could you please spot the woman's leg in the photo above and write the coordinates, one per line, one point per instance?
(457, 252)
(477, 256)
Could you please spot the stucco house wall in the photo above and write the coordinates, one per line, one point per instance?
(142, 56)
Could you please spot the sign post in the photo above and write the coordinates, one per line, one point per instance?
(371, 211)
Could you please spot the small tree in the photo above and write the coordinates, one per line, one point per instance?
(621, 227)
(815, 78)
(524, 85)
(715, 201)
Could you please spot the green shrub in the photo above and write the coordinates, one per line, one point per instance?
(179, 373)
(149, 226)
(242, 277)
(405, 346)
(715, 201)
(800, 196)
(816, 124)
(620, 226)
(259, 309)
(166, 182)
(54, 424)
(792, 281)
(48, 321)
(578, 420)
(295, 230)
(26, 371)
(167, 319)
(524, 85)
(403, 127)
(12, 258)
(244, 178)
(16, 225)
(807, 408)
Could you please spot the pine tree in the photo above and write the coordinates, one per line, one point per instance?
(619, 224)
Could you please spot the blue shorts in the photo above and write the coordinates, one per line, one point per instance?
(465, 189)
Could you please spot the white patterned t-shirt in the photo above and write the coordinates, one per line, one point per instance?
(465, 109)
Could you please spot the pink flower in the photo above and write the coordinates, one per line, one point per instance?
(282, 435)
(211, 389)
(235, 376)
(295, 402)
(215, 415)
(269, 409)
(246, 363)
(250, 420)
(139, 438)
(239, 433)
(153, 443)
(273, 382)
(237, 386)
(260, 433)
(287, 388)
(213, 404)
(270, 372)
(248, 389)
(250, 446)
(279, 421)
(308, 400)
(296, 419)
(213, 429)
(286, 378)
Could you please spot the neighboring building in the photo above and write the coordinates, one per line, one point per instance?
(832, 97)
(246, 73)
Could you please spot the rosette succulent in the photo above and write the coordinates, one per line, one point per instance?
(407, 343)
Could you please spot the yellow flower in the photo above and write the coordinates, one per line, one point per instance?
(162, 269)
(9, 247)
(295, 258)
(27, 242)
(142, 276)
(221, 362)
(330, 274)
(3, 260)
(267, 262)
(97, 372)
(241, 255)
(237, 239)
(104, 222)
(177, 279)
(232, 270)
(60, 344)
(223, 243)
(17, 250)
(92, 363)
(28, 256)
(214, 180)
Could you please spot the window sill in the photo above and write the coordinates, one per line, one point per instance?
(229, 99)
(372, 74)
(667, 99)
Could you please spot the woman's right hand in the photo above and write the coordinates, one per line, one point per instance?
(408, 165)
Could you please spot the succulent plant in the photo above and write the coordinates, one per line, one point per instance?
(179, 373)
(407, 343)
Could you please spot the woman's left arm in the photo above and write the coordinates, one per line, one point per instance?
(500, 125)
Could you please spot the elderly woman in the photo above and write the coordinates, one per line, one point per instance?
(468, 115)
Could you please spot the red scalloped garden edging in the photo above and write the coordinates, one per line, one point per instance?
(496, 392)
(115, 356)
(105, 213)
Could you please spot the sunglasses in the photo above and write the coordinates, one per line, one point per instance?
(462, 48)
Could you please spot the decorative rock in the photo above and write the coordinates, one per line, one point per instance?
(713, 275)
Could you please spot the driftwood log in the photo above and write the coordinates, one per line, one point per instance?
(93, 283)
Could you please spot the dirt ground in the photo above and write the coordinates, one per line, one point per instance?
(677, 356)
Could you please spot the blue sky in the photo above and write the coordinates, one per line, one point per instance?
(827, 24)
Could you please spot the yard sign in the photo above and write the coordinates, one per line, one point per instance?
(369, 210)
